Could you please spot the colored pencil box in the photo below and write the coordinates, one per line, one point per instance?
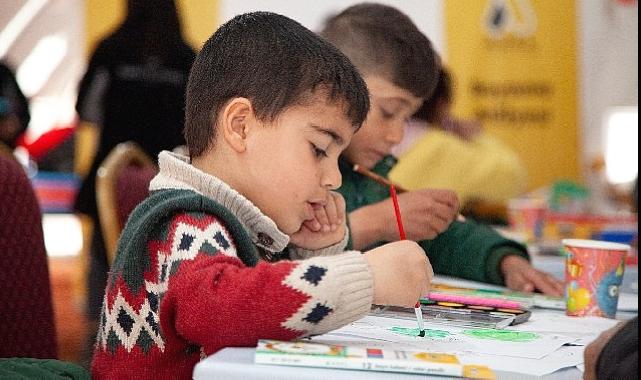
(474, 300)
(518, 314)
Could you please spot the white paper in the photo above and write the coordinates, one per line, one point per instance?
(450, 339)
(584, 329)
(564, 357)
(543, 321)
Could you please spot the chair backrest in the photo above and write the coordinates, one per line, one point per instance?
(26, 313)
(4, 149)
(121, 184)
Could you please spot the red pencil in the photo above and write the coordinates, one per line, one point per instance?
(401, 231)
(397, 211)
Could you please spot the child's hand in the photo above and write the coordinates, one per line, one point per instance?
(426, 213)
(520, 275)
(401, 271)
(326, 228)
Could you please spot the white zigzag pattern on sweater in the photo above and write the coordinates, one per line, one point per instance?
(318, 296)
(159, 287)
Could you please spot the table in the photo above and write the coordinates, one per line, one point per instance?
(238, 363)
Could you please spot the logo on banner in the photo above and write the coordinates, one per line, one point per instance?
(503, 18)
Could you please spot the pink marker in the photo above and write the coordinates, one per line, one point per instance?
(474, 300)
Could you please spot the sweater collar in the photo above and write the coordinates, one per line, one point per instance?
(176, 172)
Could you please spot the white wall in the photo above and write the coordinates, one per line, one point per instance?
(608, 59)
(426, 14)
(27, 24)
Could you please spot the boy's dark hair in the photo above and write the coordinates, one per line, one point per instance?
(381, 40)
(442, 93)
(273, 61)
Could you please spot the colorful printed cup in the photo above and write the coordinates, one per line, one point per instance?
(593, 274)
(526, 217)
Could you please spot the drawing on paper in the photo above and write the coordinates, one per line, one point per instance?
(429, 333)
(502, 335)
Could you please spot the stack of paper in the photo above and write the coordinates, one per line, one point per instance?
(549, 342)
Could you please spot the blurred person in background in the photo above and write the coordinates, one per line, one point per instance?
(14, 108)
(133, 90)
(437, 144)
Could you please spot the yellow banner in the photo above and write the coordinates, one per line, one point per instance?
(514, 67)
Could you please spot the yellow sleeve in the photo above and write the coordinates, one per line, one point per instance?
(483, 168)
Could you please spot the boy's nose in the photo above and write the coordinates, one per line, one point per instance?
(332, 178)
(395, 132)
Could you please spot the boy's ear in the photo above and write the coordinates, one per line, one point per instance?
(237, 117)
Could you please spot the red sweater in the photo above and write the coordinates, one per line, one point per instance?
(183, 286)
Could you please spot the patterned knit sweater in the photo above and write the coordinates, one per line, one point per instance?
(190, 278)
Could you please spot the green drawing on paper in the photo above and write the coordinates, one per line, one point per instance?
(502, 335)
(434, 334)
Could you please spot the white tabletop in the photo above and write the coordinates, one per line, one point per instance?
(238, 364)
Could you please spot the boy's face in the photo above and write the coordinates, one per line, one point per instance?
(292, 163)
(390, 109)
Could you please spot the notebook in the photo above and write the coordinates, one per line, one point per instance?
(309, 354)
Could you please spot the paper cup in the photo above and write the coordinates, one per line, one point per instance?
(593, 274)
(526, 217)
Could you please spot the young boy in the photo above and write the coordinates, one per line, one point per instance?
(207, 261)
(401, 69)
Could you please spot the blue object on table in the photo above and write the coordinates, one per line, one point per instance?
(616, 236)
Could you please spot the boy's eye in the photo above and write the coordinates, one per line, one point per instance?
(318, 152)
(387, 114)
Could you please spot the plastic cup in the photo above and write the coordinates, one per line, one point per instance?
(526, 217)
(593, 274)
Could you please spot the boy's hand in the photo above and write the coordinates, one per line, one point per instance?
(426, 213)
(401, 271)
(326, 228)
(520, 275)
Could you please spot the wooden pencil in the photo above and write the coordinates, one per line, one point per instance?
(384, 181)
(380, 179)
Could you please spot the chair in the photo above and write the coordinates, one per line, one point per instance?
(26, 312)
(122, 183)
(5, 150)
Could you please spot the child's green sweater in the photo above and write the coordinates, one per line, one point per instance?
(466, 249)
